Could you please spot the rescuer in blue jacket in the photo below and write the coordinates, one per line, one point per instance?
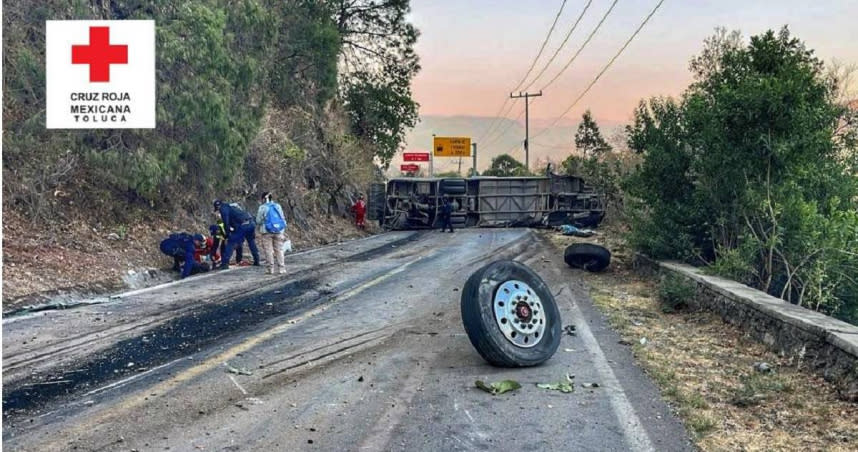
(181, 247)
(240, 226)
(446, 214)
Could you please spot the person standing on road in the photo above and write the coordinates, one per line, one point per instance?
(272, 227)
(359, 209)
(240, 227)
(446, 214)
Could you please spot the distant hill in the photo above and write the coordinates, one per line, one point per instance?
(555, 143)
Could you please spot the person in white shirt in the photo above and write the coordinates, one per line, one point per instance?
(272, 229)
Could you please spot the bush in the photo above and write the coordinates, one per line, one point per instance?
(753, 171)
(675, 293)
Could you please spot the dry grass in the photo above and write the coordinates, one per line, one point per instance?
(705, 369)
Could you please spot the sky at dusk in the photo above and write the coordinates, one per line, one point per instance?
(473, 52)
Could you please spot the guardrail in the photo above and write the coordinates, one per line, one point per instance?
(815, 341)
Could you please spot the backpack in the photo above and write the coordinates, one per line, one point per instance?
(274, 223)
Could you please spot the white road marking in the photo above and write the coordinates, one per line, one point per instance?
(124, 381)
(237, 385)
(631, 425)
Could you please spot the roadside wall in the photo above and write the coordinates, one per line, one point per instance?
(813, 340)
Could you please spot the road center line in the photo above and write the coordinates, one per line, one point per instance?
(633, 430)
(242, 347)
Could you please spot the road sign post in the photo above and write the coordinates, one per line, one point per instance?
(474, 167)
(432, 159)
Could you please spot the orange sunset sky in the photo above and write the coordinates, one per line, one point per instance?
(474, 52)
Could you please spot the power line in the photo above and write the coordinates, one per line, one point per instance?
(592, 33)
(542, 48)
(562, 44)
(529, 70)
(604, 69)
(500, 134)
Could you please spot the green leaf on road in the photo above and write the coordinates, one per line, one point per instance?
(562, 386)
(237, 371)
(498, 387)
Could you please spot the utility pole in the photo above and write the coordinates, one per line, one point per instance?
(526, 97)
(474, 167)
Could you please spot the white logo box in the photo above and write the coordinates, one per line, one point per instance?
(127, 101)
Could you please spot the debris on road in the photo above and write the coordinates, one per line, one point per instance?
(624, 342)
(643, 341)
(762, 367)
(498, 387)
(590, 385)
(568, 229)
(237, 371)
(562, 386)
(569, 329)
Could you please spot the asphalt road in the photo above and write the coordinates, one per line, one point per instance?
(360, 347)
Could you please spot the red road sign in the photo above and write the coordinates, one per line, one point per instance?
(409, 168)
(415, 156)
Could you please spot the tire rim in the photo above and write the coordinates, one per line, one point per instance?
(519, 314)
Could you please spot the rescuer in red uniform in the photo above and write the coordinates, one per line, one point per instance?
(359, 209)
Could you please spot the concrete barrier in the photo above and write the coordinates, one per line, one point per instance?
(811, 339)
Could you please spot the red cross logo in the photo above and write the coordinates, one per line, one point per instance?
(99, 54)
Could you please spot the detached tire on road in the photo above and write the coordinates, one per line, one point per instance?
(510, 315)
(588, 256)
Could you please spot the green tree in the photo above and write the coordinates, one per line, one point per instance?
(339, 71)
(506, 166)
(588, 139)
(753, 170)
(308, 52)
(379, 62)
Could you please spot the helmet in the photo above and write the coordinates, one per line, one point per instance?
(217, 203)
(199, 238)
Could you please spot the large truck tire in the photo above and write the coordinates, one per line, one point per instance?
(589, 256)
(510, 315)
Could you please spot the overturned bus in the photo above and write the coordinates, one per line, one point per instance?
(415, 203)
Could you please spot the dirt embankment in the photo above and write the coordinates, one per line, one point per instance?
(82, 258)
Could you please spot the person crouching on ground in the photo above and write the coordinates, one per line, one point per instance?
(272, 227)
(359, 209)
(182, 248)
(240, 226)
(218, 249)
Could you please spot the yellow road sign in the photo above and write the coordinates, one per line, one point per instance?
(452, 146)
